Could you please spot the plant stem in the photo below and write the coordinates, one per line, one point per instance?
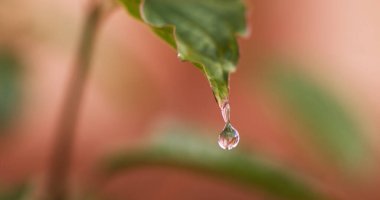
(62, 149)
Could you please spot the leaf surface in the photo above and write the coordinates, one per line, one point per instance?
(203, 32)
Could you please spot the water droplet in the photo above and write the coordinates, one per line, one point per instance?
(180, 56)
(229, 137)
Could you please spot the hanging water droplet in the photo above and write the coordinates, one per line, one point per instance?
(180, 56)
(229, 137)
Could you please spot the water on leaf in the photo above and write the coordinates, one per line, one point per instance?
(180, 56)
(229, 137)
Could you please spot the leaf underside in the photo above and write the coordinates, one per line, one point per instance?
(202, 31)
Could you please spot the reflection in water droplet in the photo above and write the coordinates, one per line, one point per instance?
(229, 137)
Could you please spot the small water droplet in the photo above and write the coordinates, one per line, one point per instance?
(180, 56)
(229, 137)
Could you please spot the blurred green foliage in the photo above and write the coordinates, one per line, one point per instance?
(10, 88)
(327, 123)
(17, 193)
(181, 147)
(203, 32)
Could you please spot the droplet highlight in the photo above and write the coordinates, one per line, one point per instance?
(180, 57)
(229, 137)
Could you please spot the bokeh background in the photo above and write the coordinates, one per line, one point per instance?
(305, 96)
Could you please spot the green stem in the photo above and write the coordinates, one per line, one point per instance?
(60, 162)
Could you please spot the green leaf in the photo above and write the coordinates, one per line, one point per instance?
(10, 88)
(328, 123)
(202, 31)
(133, 7)
(181, 148)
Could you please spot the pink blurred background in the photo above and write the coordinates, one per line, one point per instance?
(136, 81)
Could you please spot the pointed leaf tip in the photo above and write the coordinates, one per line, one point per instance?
(203, 32)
